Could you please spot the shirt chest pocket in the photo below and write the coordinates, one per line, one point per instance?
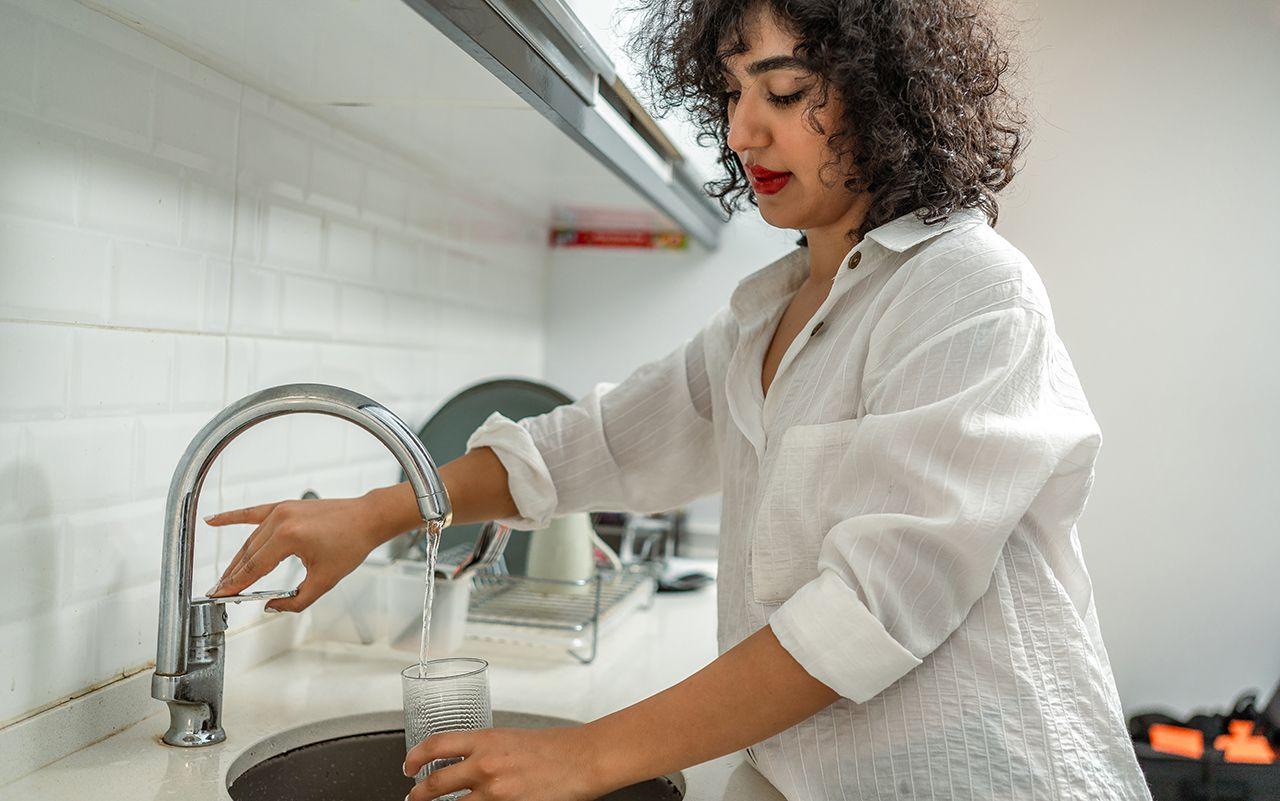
(801, 499)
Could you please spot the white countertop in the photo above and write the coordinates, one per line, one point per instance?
(649, 651)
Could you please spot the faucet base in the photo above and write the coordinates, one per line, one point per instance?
(190, 727)
(193, 740)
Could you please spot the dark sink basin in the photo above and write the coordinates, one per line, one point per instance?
(359, 759)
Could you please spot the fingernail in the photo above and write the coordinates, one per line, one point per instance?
(270, 610)
(405, 770)
(208, 518)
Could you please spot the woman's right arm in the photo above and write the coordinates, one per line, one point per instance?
(643, 446)
(333, 536)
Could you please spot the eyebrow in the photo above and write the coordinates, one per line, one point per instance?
(775, 63)
(767, 64)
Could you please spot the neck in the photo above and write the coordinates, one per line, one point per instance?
(829, 244)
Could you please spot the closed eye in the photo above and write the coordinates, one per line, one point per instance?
(786, 100)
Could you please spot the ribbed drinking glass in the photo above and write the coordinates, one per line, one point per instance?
(445, 695)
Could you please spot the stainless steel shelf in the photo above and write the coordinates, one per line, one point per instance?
(526, 48)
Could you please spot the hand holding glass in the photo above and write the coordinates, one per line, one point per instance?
(444, 695)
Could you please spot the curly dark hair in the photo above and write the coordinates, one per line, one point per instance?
(927, 121)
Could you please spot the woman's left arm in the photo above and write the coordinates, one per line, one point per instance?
(748, 694)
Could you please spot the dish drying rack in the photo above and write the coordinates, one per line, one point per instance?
(537, 611)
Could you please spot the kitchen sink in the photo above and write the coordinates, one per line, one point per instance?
(359, 758)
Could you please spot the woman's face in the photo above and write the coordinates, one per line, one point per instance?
(788, 163)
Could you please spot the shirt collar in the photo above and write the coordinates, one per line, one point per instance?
(907, 231)
(762, 290)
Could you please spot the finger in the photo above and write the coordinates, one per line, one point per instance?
(439, 746)
(252, 543)
(251, 514)
(311, 588)
(445, 781)
(234, 564)
(256, 564)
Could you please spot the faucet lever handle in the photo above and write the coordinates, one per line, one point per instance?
(259, 595)
(209, 615)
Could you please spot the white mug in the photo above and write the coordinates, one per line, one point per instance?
(563, 551)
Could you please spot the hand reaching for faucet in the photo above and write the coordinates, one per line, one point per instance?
(331, 537)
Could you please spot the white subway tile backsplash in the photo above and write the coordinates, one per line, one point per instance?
(47, 656)
(207, 211)
(342, 482)
(411, 320)
(37, 169)
(429, 210)
(111, 549)
(399, 373)
(261, 451)
(19, 42)
(34, 550)
(200, 373)
(34, 361)
(157, 286)
(94, 89)
(217, 296)
(247, 233)
(283, 361)
(337, 180)
(255, 301)
(385, 198)
(309, 307)
(350, 250)
(171, 241)
(127, 630)
(363, 447)
(291, 238)
(194, 126)
(10, 470)
(133, 196)
(362, 314)
(70, 465)
(315, 441)
(161, 441)
(52, 273)
(461, 276)
(343, 365)
(396, 261)
(271, 157)
(239, 372)
(118, 372)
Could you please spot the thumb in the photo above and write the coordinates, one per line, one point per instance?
(309, 591)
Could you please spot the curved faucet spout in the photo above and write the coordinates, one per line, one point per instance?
(176, 642)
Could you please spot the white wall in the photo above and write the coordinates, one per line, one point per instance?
(170, 241)
(1148, 204)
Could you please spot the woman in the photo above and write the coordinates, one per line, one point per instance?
(901, 441)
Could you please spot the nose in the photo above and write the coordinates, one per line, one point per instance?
(747, 128)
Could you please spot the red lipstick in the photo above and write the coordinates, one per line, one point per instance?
(767, 182)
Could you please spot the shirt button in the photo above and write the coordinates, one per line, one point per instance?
(853, 261)
(817, 328)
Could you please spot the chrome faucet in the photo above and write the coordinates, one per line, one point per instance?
(189, 649)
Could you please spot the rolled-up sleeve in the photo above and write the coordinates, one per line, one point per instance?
(643, 445)
(961, 432)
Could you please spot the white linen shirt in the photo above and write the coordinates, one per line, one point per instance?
(900, 508)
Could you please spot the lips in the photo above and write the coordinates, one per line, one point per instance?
(767, 182)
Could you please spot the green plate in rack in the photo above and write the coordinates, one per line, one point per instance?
(446, 432)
